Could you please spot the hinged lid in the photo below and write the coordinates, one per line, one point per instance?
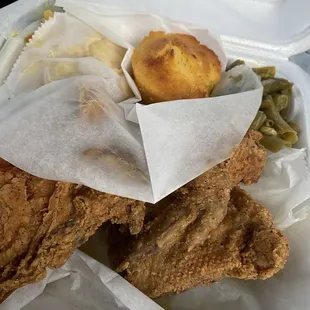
(278, 27)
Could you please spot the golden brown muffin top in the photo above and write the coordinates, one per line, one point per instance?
(174, 66)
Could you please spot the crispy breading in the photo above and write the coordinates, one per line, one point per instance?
(204, 231)
(42, 222)
(245, 245)
(248, 160)
(199, 206)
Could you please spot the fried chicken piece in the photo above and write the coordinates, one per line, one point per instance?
(247, 162)
(42, 222)
(178, 248)
(245, 245)
(199, 206)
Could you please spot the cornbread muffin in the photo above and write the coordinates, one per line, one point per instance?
(172, 66)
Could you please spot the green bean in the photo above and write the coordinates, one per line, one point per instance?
(274, 143)
(258, 120)
(294, 126)
(289, 93)
(267, 102)
(281, 101)
(281, 126)
(268, 131)
(290, 137)
(236, 63)
(265, 72)
(268, 123)
(275, 85)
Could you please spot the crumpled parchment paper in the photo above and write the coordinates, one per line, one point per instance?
(82, 283)
(64, 114)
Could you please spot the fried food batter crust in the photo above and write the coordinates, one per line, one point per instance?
(205, 231)
(199, 206)
(245, 245)
(42, 222)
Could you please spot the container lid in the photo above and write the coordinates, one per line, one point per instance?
(280, 27)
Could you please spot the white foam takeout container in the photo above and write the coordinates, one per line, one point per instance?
(262, 32)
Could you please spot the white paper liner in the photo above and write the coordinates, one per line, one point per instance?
(82, 283)
(284, 187)
(157, 149)
(55, 52)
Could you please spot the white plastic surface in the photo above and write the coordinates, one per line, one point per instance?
(281, 27)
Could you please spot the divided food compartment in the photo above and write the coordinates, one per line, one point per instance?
(265, 32)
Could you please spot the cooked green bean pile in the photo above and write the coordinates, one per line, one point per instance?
(271, 119)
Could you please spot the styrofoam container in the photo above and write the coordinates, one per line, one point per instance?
(262, 32)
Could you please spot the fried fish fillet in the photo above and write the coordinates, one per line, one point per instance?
(245, 245)
(42, 222)
(179, 246)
